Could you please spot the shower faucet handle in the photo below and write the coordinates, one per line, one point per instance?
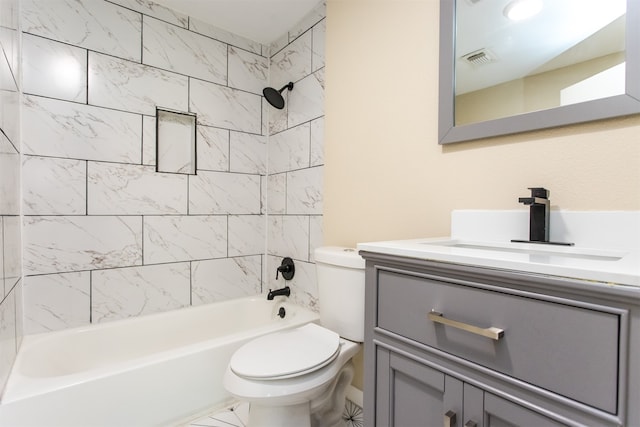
(287, 268)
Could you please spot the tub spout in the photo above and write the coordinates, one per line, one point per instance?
(286, 291)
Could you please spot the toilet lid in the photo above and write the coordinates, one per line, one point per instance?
(286, 354)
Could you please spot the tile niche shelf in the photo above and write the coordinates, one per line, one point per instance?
(175, 142)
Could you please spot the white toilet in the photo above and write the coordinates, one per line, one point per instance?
(299, 377)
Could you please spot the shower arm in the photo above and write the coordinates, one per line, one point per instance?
(287, 86)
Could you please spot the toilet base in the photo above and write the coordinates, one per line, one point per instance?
(323, 411)
(327, 410)
(279, 416)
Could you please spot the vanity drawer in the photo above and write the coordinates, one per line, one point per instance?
(568, 348)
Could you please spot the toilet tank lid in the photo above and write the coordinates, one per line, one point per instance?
(340, 256)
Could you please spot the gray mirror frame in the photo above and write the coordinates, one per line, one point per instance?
(620, 105)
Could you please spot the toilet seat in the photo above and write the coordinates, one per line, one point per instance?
(286, 354)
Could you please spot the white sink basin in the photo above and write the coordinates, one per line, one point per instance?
(551, 250)
(609, 266)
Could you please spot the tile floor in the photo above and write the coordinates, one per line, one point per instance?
(237, 415)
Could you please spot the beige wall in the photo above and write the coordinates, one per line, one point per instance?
(385, 175)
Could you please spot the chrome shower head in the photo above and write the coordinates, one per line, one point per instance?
(274, 97)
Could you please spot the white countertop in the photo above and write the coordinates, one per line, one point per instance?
(620, 267)
(606, 245)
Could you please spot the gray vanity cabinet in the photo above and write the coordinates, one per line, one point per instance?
(469, 346)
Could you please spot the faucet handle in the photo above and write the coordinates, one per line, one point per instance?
(539, 192)
(287, 268)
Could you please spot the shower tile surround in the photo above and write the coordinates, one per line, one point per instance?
(10, 230)
(104, 235)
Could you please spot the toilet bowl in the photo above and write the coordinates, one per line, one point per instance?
(283, 395)
(299, 377)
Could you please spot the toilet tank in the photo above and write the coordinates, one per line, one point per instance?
(340, 274)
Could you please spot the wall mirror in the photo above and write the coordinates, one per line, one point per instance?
(571, 61)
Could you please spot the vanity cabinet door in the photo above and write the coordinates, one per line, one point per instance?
(503, 413)
(410, 394)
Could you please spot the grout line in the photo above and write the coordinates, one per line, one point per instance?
(86, 188)
(142, 240)
(90, 296)
(142, 38)
(142, 129)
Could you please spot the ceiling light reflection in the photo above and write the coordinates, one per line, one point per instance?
(519, 10)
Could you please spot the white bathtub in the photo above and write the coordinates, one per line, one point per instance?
(149, 371)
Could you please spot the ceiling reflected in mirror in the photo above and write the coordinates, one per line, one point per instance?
(568, 51)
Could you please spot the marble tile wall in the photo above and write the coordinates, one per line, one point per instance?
(10, 229)
(105, 236)
(295, 153)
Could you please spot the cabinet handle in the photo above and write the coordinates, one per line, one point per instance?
(491, 332)
(471, 423)
(449, 419)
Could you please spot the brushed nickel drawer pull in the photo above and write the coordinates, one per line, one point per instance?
(449, 419)
(491, 332)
